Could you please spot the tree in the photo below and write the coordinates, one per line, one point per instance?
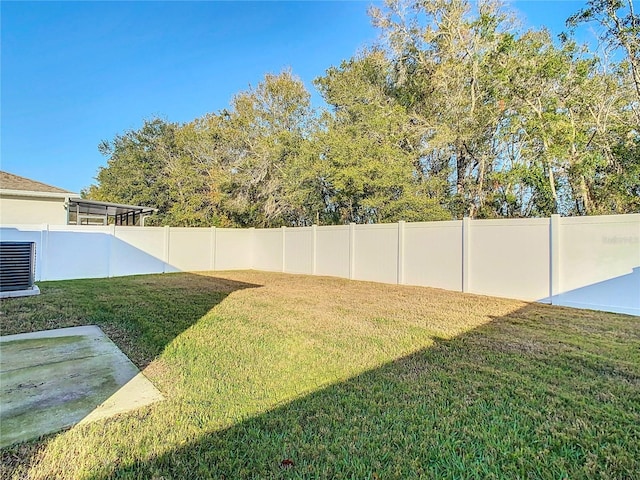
(240, 167)
(162, 165)
(368, 161)
(457, 112)
(612, 177)
(136, 168)
(195, 174)
(621, 29)
(524, 125)
(266, 131)
(443, 51)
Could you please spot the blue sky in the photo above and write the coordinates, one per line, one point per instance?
(76, 73)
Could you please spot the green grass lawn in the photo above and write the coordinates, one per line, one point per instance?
(284, 376)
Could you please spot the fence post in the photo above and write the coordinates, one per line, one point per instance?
(466, 250)
(352, 253)
(314, 248)
(400, 278)
(112, 241)
(212, 264)
(167, 234)
(252, 230)
(554, 257)
(284, 249)
(43, 254)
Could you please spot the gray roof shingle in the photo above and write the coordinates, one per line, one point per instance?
(9, 181)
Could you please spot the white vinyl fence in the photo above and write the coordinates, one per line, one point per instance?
(588, 262)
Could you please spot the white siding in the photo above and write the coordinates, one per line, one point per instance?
(26, 210)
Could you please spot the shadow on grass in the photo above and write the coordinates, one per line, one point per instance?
(140, 314)
(544, 392)
(144, 317)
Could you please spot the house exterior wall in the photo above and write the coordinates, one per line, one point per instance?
(24, 210)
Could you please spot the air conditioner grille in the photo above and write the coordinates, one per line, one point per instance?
(17, 265)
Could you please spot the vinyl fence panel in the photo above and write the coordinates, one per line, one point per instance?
(376, 253)
(332, 251)
(510, 258)
(589, 262)
(190, 249)
(233, 249)
(77, 252)
(600, 263)
(433, 254)
(137, 250)
(268, 247)
(299, 250)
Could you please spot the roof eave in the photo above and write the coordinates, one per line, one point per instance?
(29, 193)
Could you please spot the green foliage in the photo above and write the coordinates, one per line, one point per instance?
(620, 30)
(457, 112)
(368, 156)
(135, 173)
(268, 128)
(616, 185)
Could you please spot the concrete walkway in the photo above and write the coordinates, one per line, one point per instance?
(54, 379)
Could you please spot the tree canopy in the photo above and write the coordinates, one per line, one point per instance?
(456, 111)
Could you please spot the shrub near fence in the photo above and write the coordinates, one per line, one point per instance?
(589, 262)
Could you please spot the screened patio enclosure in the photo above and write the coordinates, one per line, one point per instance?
(81, 211)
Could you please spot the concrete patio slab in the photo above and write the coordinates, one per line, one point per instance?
(54, 379)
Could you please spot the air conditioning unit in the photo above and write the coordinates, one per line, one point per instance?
(17, 269)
